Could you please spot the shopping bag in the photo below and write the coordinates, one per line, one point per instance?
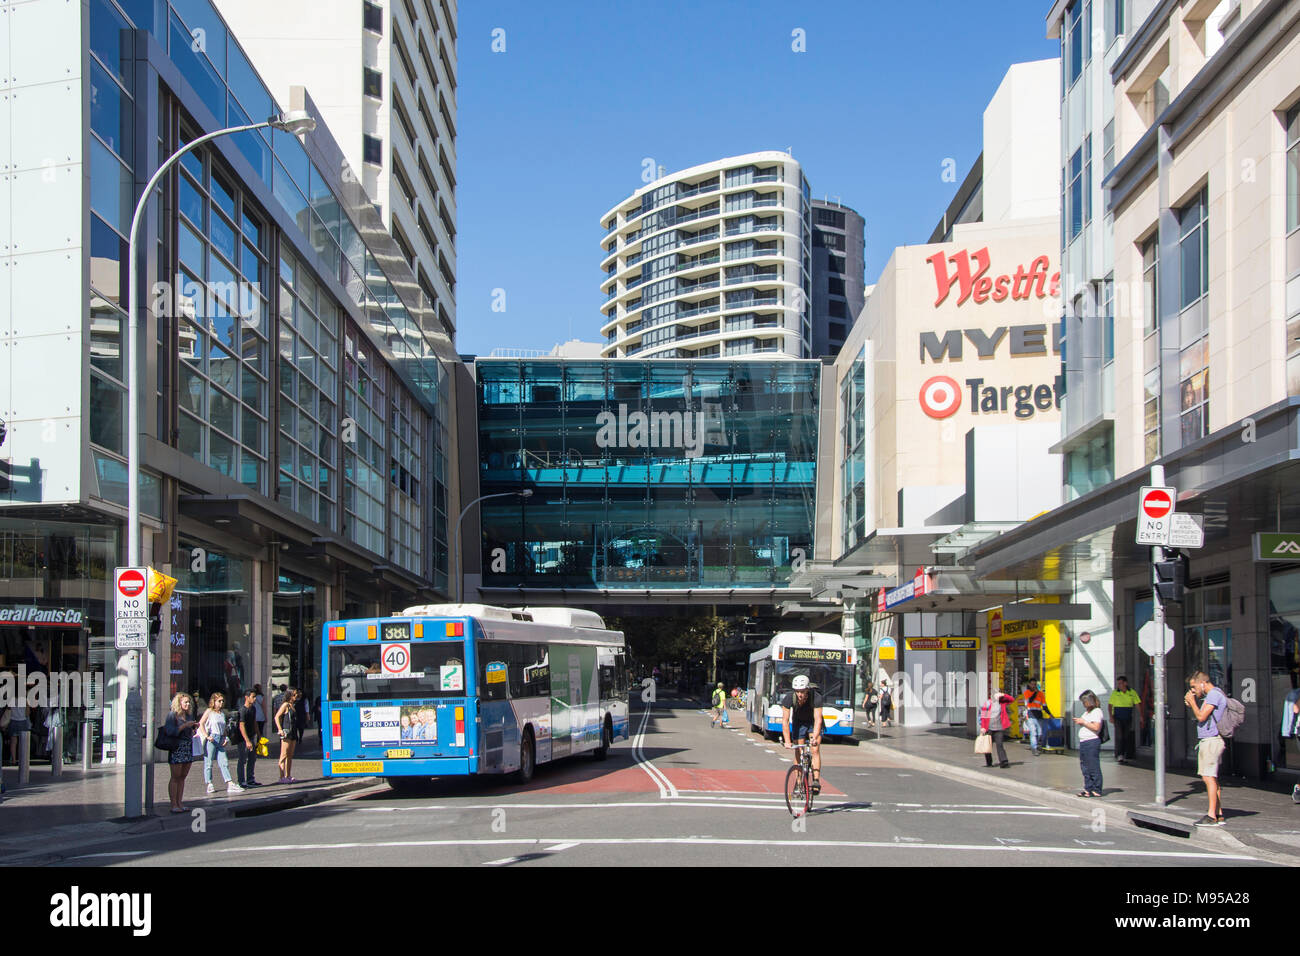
(263, 747)
(984, 744)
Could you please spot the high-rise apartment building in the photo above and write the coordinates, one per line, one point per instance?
(837, 283)
(712, 261)
(384, 77)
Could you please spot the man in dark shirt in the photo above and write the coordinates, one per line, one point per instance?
(246, 739)
(801, 716)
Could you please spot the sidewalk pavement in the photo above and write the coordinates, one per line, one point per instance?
(1260, 815)
(47, 817)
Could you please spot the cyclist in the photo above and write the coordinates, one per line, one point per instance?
(801, 717)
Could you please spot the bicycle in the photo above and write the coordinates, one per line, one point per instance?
(799, 782)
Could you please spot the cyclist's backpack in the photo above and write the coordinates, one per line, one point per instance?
(1232, 717)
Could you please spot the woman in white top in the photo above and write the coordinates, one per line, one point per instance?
(212, 728)
(1090, 744)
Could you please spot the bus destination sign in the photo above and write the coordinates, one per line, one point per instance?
(814, 654)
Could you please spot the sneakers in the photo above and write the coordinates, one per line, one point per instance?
(211, 789)
(233, 787)
(1207, 821)
(1295, 794)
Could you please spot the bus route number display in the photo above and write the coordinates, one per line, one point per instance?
(814, 654)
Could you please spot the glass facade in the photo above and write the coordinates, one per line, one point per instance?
(646, 474)
(853, 440)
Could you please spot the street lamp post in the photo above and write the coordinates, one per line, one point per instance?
(458, 593)
(292, 122)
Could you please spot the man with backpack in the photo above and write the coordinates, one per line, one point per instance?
(1213, 724)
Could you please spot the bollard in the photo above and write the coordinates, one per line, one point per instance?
(55, 743)
(85, 745)
(24, 757)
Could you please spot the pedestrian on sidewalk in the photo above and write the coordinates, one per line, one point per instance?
(994, 721)
(870, 700)
(1209, 745)
(1090, 744)
(286, 721)
(19, 723)
(719, 703)
(1123, 704)
(1034, 701)
(246, 740)
(180, 725)
(886, 703)
(212, 728)
(259, 707)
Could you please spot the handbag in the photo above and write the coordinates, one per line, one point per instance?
(162, 740)
(984, 744)
(1104, 733)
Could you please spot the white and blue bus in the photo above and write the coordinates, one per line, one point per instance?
(826, 659)
(458, 689)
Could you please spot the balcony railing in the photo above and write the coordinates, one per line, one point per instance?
(771, 276)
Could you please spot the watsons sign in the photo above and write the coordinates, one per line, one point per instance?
(689, 431)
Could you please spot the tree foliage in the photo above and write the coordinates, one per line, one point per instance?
(653, 640)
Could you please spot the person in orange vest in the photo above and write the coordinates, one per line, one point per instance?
(1034, 702)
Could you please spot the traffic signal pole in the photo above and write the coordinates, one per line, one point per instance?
(1158, 554)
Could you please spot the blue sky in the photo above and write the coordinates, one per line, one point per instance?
(553, 131)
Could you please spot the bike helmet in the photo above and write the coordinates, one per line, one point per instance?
(799, 683)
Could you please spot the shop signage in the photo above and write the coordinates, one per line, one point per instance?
(1020, 339)
(1277, 546)
(887, 649)
(943, 643)
(969, 275)
(33, 616)
(919, 585)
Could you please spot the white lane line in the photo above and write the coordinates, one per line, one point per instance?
(714, 841)
(666, 788)
(506, 861)
(94, 856)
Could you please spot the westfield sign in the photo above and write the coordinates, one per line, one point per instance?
(969, 270)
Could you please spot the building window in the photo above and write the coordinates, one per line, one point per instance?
(835, 286)
(1151, 350)
(372, 82)
(364, 459)
(829, 217)
(308, 346)
(372, 149)
(1076, 40)
(372, 17)
(1115, 17)
(1077, 200)
(1193, 361)
(1293, 251)
(221, 321)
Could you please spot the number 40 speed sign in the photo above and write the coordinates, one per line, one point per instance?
(395, 659)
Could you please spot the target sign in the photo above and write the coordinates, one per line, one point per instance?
(940, 396)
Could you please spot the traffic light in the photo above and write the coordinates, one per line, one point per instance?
(1170, 575)
(155, 618)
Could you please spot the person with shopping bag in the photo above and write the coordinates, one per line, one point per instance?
(994, 721)
(246, 738)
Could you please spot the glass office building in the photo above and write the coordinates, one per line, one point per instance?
(646, 474)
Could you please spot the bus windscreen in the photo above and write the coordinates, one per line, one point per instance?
(436, 669)
(833, 681)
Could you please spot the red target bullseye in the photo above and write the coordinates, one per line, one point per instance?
(940, 396)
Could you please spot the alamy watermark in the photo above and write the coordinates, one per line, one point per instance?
(60, 689)
(689, 431)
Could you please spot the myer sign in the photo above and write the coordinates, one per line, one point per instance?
(689, 431)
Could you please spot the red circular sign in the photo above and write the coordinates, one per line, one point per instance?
(940, 396)
(1157, 504)
(131, 583)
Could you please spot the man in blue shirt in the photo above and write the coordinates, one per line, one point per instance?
(1209, 747)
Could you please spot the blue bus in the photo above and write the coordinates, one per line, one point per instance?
(458, 689)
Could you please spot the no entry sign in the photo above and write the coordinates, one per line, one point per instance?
(131, 604)
(130, 581)
(1155, 514)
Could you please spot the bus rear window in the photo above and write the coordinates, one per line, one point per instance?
(437, 669)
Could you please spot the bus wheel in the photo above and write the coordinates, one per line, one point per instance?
(606, 740)
(406, 785)
(527, 758)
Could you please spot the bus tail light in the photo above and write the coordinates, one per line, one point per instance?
(455, 629)
(336, 729)
(460, 725)
(337, 633)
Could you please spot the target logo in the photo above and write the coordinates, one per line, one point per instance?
(940, 396)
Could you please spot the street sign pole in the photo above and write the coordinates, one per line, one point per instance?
(1158, 554)
(131, 635)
